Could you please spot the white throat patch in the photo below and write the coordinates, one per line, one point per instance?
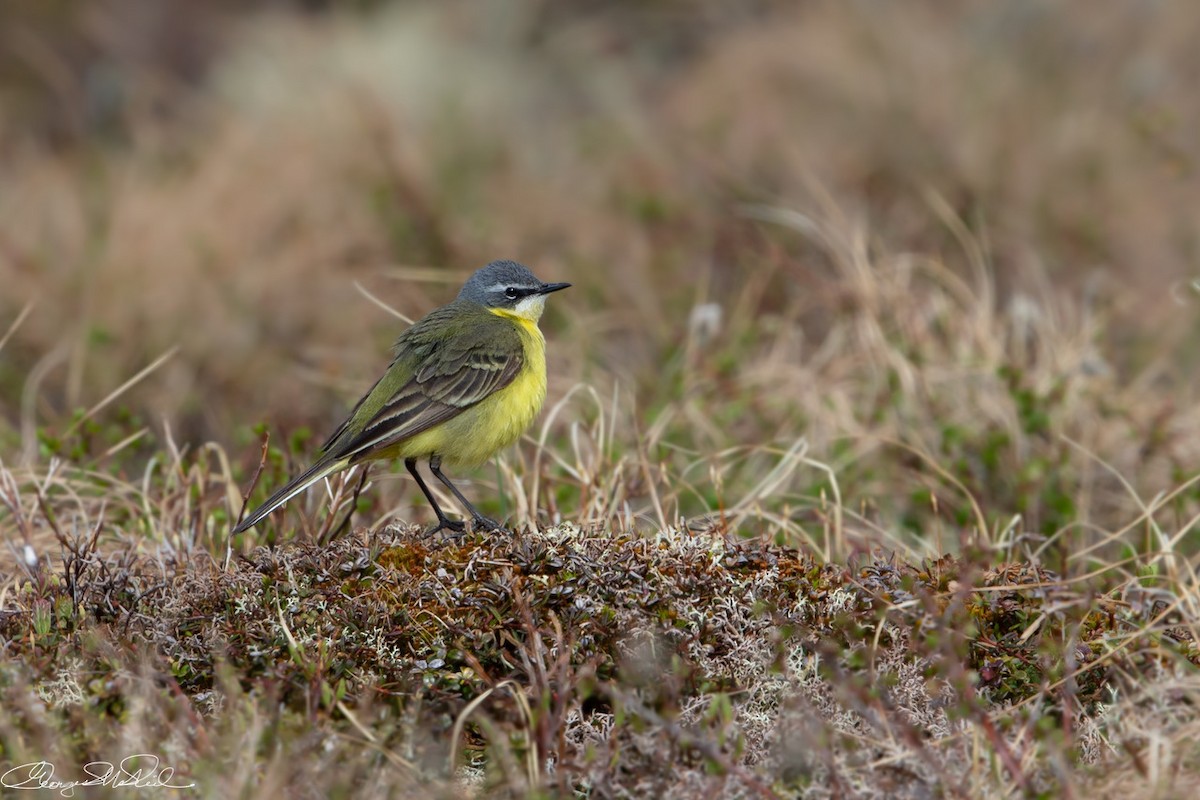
(530, 307)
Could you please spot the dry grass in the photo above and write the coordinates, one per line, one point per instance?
(854, 289)
(589, 660)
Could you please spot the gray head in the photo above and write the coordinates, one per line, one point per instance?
(509, 285)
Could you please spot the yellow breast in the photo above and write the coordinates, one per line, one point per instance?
(475, 435)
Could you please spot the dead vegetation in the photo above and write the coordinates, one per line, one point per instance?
(615, 665)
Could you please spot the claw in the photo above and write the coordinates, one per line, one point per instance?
(487, 524)
(456, 527)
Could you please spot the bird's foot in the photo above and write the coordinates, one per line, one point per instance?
(456, 528)
(486, 525)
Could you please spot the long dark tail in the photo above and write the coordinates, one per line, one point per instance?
(316, 472)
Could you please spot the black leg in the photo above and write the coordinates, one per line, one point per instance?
(481, 522)
(444, 522)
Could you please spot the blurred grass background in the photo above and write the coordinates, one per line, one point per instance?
(217, 178)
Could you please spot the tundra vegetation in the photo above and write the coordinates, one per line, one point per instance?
(871, 461)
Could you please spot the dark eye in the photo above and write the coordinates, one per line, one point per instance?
(511, 293)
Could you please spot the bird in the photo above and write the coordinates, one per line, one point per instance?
(465, 382)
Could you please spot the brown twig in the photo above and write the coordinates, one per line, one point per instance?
(262, 464)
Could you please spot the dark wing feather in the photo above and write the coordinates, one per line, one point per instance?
(444, 364)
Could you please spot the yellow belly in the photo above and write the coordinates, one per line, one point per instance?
(476, 434)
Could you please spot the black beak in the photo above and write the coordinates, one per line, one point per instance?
(547, 288)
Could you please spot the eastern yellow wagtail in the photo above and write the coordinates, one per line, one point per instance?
(466, 381)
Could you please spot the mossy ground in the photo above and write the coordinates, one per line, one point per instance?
(578, 660)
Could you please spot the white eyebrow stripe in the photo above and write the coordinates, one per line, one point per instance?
(500, 287)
